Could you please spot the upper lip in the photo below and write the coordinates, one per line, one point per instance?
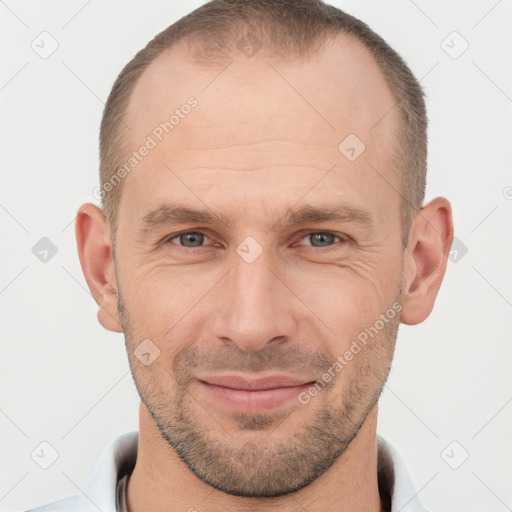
(253, 384)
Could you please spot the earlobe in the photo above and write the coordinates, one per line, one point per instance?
(425, 259)
(95, 253)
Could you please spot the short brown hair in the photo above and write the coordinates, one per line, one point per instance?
(293, 29)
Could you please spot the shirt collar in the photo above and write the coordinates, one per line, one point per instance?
(393, 472)
(120, 455)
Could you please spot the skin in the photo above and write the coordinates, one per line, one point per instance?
(252, 149)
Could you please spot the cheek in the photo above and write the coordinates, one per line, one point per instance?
(343, 306)
(161, 303)
(347, 298)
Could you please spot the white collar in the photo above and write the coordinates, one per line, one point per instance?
(119, 457)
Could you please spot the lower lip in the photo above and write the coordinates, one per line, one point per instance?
(248, 401)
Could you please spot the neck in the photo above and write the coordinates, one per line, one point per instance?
(162, 481)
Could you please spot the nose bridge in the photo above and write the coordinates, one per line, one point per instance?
(254, 310)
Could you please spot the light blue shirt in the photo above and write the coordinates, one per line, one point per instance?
(103, 492)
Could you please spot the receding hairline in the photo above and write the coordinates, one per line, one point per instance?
(184, 51)
(213, 48)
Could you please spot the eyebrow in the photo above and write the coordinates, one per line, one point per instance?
(168, 215)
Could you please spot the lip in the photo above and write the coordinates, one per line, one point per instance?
(239, 382)
(253, 394)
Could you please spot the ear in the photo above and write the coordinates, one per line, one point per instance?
(425, 259)
(95, 252)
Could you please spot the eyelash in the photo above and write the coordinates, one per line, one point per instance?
(341, 237)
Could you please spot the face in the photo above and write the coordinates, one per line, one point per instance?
(257, 303)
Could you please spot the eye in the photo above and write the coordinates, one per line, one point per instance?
(192, 239)
(189, 239)
(322, 239)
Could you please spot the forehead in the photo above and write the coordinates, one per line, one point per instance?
(340, 85)
(261, 113)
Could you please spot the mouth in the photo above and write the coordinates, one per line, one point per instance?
(252, 395)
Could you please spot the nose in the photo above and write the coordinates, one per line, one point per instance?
(254, 307)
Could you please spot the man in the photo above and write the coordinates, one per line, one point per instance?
(261, 237)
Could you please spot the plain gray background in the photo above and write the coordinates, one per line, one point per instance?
(66, 381)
